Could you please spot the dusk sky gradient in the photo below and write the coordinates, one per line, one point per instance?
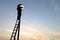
(40, 19)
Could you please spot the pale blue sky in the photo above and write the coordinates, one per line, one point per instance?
(36, 13)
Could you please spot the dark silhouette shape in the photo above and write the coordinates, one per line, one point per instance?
(16, 29)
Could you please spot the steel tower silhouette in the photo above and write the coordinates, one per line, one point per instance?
(16, 30)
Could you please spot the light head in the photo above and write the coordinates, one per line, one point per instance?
(20, 6)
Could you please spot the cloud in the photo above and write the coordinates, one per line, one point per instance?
(54, 33)
(56, 8)
(34, 37)
(6, 30)
(4, 37)
(54, 4)
(57, 37)
(39, 30)
(27, 33)
(40, 37)
(33, 33)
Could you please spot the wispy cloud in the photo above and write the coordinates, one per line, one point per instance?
(55, 33)
(54, 4)
(30, 36)
(34, 37)
(32, 33)
(56, 8)
(4, 37)
(5, 30)
(41, 30)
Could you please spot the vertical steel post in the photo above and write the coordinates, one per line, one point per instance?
(16, 29)
(19, 18)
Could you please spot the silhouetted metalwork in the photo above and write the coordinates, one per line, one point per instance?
(16, 30)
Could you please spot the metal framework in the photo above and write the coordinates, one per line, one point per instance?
(16, 30)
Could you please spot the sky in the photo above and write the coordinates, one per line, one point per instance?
(40, 19)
